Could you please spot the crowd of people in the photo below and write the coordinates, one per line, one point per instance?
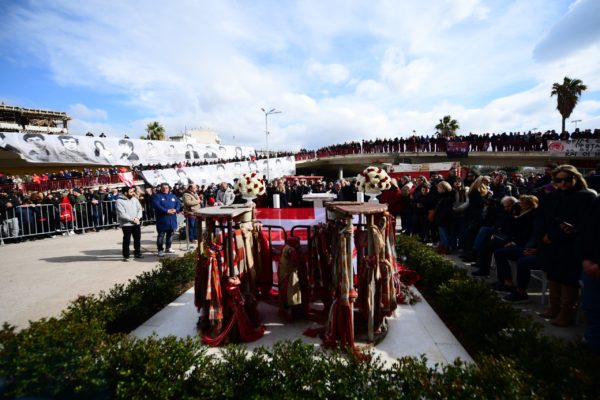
(512, 141)
(547, 222)
(550, 223)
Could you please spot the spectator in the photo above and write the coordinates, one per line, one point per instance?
(423, 204)
(520, 249)
(225, 195)
(558, 229)
(166, 205)
(590, 293)
(129, 215)
(443, 216)
(191, 204)
(459, 207)
(478, 193)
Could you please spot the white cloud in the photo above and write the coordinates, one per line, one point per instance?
(339, 70)
(578, 29)
(330, 73)
(81, 111)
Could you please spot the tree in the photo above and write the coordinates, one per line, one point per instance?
(447, 127)
(567, 95)
(155, 131)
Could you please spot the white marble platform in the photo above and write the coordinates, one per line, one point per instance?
(415, 330)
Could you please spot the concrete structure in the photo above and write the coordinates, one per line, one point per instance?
(20, 119)
(413, 331)
(197, 135)
(352, 164)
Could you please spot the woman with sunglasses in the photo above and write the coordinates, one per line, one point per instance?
(558, 231)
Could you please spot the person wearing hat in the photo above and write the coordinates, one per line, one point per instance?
(129, 215)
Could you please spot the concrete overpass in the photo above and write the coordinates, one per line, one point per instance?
(352, 164)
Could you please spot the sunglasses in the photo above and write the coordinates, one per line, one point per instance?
(566, 180)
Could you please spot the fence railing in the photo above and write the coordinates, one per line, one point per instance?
(42, 220)
(63, 184)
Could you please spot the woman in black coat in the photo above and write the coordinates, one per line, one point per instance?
(558, 230)
(444, 217)
(478, 193)
(422, 202)
(590, 293)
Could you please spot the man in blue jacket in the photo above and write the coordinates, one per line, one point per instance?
(166, 206)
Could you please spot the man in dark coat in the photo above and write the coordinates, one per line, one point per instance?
(166, 205)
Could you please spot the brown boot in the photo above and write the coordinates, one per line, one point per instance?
(553, 301)
(568, 306)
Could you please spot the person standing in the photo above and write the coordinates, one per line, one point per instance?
(225, 195)
(191, 203)
(129, 215)
(590, 277)
(166, 205)
(559, 231)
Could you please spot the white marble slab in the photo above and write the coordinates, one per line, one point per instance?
(413, 331)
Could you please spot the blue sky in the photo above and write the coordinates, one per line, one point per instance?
(338, 70)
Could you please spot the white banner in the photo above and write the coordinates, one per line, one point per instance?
(216, 173)
(443, 166)
(575, 148)
(41, 148)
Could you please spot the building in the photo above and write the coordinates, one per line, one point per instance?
(20, 119)
(197, 135)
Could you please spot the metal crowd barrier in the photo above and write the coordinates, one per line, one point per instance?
(44, 220)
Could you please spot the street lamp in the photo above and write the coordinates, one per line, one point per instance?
(575, 121)
(267, 113)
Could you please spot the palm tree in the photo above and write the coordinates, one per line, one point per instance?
(447, 127)
(155, 131)
(567, 96)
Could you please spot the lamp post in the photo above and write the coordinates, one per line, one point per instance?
(575, 121)
(267, 113)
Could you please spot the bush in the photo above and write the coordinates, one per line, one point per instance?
(433, 268)
(54, 358)
(125, 307)
(495, 332)
(84, 354)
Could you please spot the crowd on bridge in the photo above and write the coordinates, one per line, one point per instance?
(512, 141)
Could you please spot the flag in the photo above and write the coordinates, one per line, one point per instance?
(457, 149)
(287, 218)
(126, 178)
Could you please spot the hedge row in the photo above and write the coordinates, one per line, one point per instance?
(551, 367)
(87, 354)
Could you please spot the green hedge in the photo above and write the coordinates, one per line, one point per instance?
(493, 328)
(86, 354)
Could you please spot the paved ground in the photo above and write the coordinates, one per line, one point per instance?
(39, 278)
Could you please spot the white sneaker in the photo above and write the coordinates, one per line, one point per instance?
(161, 254)
(169, 251)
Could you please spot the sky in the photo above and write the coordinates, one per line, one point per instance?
(337, 70)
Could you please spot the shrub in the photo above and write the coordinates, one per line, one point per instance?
(54, 358)
(496, 332)
(84, 354)
(125, 307)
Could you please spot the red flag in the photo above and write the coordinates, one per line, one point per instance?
(126, 178)
(288, 218)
